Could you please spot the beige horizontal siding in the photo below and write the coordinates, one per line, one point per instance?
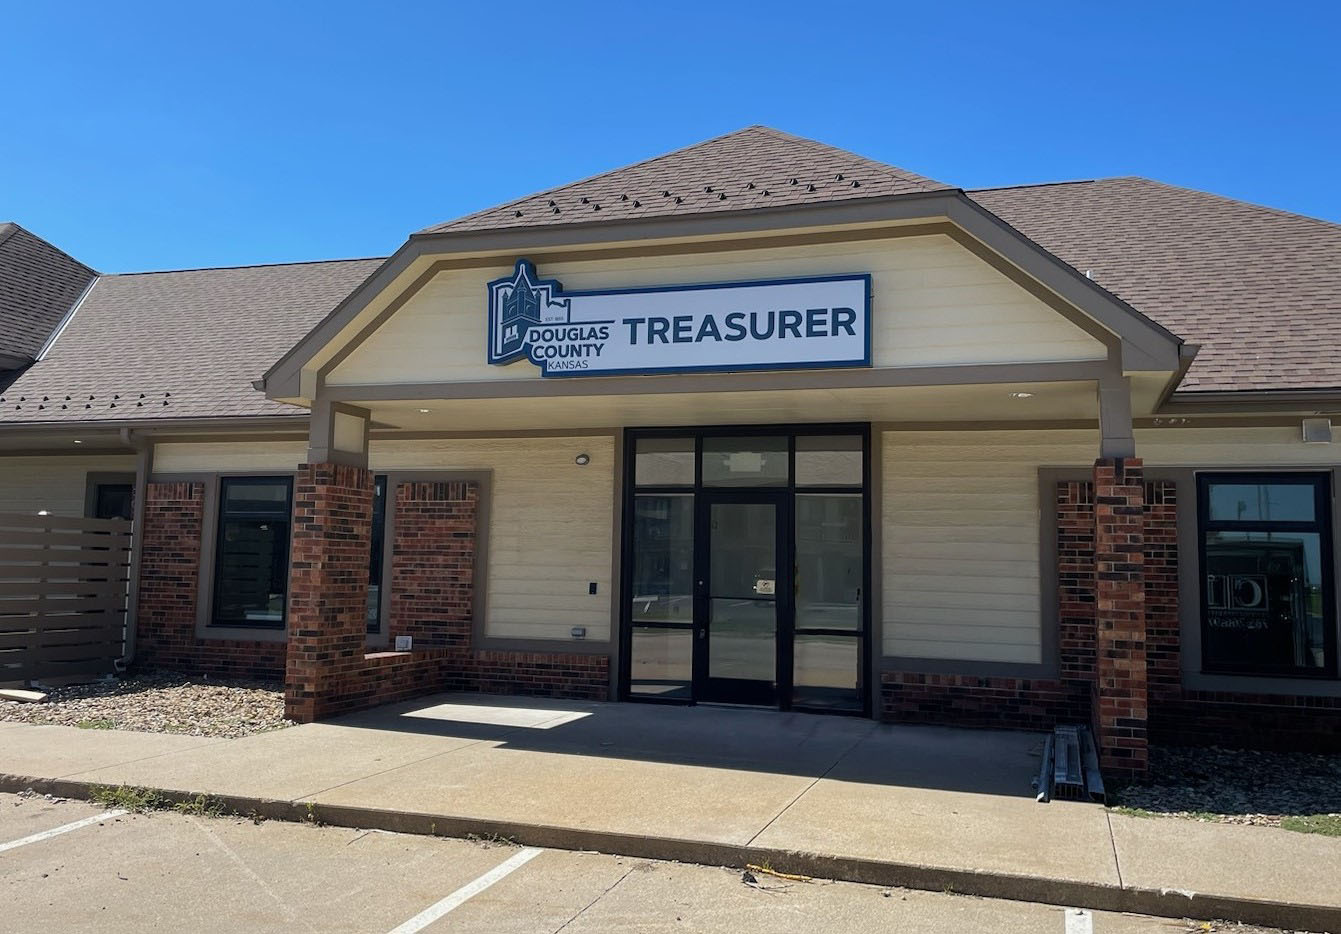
(1233, 447)
(933, 303)
(57, 484)
(960, 546)
(229, 457)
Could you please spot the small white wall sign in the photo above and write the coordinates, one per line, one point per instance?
(777, 324)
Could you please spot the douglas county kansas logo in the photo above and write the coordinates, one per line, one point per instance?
(821, 321)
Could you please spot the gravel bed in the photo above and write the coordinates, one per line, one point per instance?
(1235, 786)
(161, 703)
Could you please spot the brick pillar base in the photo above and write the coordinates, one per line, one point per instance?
(1121, 697)
(328, 585)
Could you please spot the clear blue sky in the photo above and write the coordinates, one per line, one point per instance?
(151, 136)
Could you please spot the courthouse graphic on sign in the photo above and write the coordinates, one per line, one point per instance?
(821, 321)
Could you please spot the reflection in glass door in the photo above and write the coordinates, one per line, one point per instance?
(740, 599)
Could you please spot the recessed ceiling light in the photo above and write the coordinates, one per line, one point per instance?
(43, 512)
(77, 441)
(423, 411)
(1021, 395)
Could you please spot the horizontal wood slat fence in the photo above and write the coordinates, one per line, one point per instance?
(63, 592)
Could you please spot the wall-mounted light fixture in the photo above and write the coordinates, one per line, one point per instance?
(582, 459)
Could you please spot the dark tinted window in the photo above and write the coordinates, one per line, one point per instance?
(1267, 605)
(251, 570)
(114, 501)
(375, 554)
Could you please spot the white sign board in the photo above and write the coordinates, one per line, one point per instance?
(822, 321)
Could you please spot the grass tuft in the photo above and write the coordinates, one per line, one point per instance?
(1326, 824)
(96, 724)
(201, 806)
(135, 800)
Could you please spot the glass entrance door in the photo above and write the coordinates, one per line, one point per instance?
(746, 567)
(743, 589)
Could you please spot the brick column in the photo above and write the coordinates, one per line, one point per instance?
(1120, 702)
(328, 585)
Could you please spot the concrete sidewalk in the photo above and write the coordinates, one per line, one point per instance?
(922, 807)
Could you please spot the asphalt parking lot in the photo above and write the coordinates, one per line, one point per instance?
(75, 866)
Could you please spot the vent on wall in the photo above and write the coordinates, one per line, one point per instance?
(1317, 430)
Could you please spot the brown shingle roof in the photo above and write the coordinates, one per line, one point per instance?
(1258, 288)
(38, 285)
(757, 167)
(193, 339)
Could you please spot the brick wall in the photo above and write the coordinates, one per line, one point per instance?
(1162, 635)
(967, 700)
(1178, 716)
(537, 674)
(169, 590)
(432, 571)
(433, 562)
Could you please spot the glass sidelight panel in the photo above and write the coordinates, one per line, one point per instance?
(663, 559)
(828, 560)
(825, 671)
(662, 662)
(743, 592)
(662, 602)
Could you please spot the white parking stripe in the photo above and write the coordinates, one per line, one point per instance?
(57, 831)
(460, 896)
(1079, 921)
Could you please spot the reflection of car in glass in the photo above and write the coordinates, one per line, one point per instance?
(1257, 602)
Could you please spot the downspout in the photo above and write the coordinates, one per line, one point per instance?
(144, 464)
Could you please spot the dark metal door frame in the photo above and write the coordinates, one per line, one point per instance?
(867, 668)
(730, 691)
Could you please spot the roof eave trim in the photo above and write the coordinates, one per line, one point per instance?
(231, 423)
(1308, 401)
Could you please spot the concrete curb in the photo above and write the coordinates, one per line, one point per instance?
(1015, 887)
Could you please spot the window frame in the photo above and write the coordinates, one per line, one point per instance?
(210, 605)
(1321, 525)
